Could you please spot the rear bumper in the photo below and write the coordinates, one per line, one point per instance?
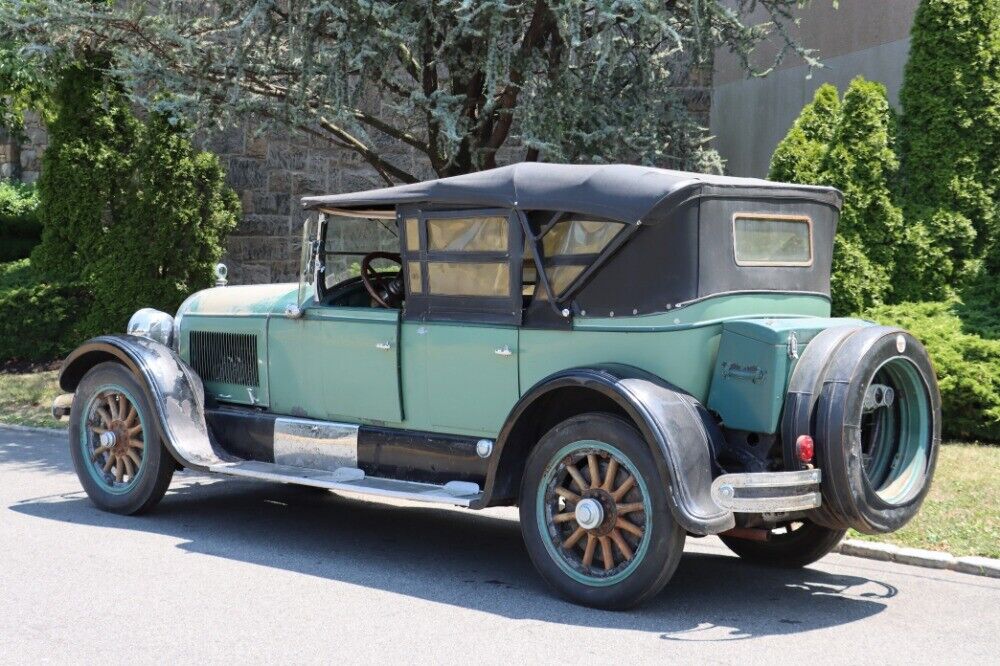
(768, 492)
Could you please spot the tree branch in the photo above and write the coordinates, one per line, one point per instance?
(533, 37)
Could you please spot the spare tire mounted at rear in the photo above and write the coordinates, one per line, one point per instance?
(875, 414)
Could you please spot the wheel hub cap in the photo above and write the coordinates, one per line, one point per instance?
(589, 513)
(108, 439)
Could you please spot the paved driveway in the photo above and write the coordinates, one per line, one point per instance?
(250, 572)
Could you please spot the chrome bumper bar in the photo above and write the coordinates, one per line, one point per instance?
(768, 492)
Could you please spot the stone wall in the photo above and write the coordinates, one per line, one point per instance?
(271, 172)
(20, 158)
(10, 156)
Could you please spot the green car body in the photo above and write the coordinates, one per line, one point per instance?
(325, 364)
(621, 351)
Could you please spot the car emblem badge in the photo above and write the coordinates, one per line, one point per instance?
(900, 343)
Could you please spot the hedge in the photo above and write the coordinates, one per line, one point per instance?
(20, 228)
(38, 321)
(967, 365)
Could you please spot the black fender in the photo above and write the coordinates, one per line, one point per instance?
(172, 388)
(678, 428)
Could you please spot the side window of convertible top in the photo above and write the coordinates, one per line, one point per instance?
(459, 255)
(572, 244)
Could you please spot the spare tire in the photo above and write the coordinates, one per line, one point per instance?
(804, 388)
(877, 430)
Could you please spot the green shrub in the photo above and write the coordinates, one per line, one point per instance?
(850, 146)
(799, 156)
(131, 209)
(967, 365)
(38, 321)
(980, 309)
(84, 168)
(950, 136)
(20, 228)
(172, 218)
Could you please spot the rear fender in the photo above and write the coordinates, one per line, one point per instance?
(677, 427)
(172, 387)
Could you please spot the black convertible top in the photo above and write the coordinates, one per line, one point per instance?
(621, 192)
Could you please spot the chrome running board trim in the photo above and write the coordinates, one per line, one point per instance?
(352, 479)
(770, 492)
(315, 444)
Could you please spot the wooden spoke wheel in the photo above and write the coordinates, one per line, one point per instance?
(595, 511)
(595, 514)
(115, 442)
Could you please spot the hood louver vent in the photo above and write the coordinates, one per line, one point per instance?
(227, 358)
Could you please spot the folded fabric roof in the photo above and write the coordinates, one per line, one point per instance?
(621, 192)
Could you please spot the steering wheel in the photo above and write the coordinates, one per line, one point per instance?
(385, 289)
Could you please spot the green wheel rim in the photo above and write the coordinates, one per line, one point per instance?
(613, 550)
(896, 438)
(112, 439)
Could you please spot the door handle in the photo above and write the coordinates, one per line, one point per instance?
(503, 351)
(384, 346)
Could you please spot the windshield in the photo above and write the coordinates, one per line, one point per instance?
(349, 239)
(307, 270)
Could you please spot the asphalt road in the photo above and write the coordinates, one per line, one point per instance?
(251, 572)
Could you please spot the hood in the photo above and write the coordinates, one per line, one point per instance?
(254, 299)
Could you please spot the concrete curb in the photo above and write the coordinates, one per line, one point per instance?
(38, 429)
(977, 566)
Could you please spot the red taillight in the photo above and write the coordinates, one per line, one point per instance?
(804, 448)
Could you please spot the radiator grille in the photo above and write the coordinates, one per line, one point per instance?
(228, 358)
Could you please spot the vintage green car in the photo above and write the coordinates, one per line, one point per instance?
(631, 355)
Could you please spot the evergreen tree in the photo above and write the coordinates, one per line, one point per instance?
(799, 156)
(175, 212)
(950, 142)
(131, 209)
(83, 169)
(849, 146)
(862, 163)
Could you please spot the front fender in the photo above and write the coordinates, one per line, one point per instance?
(172, 387)
(677, 427)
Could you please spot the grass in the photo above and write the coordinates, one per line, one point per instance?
(961, 515)
(26, 398)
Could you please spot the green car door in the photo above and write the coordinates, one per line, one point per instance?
(338, 363)
(463, 305)
(472, 376)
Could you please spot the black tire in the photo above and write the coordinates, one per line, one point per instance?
(877, 471)
(149, 483)
(792, 549)
(804, 388)
(655, 555)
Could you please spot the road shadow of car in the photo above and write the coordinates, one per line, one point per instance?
(469, 559)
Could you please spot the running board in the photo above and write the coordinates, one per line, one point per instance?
(458, 493)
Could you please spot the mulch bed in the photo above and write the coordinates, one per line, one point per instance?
(15, 366)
